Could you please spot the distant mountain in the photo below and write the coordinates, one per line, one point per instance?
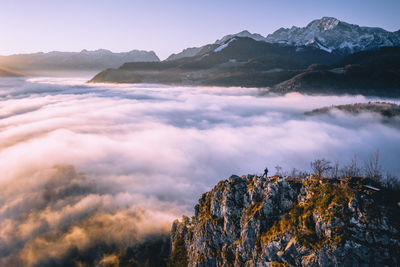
(333, 35)
(240, 61)
(84, 60)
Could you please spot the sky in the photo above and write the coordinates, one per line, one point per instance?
(166, 26)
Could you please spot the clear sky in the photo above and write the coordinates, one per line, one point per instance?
(167, 26)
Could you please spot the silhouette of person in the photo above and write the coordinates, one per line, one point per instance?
(266, 172)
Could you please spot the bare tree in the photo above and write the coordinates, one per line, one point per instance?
(294, 173)
(334, 172)
(278, 170)
(391, 182)
(352, 169)
(320, 167)
(373, 168)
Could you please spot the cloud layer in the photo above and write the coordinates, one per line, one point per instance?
(143, 154)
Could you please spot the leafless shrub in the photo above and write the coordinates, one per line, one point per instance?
(320, 167)
(278, 170)
(373, 168)
(334, 172)
(352, 169)
(391, 182)
(324, 168)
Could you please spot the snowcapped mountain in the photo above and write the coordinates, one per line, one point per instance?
(328, 34)
(333, 35)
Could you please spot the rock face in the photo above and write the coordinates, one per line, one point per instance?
(255, 221)
(333, 35)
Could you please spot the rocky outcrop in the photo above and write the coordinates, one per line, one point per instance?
(257, 221)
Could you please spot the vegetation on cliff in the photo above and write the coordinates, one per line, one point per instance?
(277, 221)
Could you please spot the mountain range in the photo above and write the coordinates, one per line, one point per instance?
(327, 56)
(77, 61)
(327, 33)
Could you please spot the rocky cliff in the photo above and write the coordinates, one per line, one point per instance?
(257, 221)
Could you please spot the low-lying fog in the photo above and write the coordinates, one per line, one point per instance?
(83, 164)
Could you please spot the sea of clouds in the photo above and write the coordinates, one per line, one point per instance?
(83, 165)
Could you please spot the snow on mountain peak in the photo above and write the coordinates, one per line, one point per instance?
(325, 24)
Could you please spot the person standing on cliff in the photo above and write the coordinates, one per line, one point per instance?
(266, 172)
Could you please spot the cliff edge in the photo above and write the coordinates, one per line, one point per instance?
(275, 221)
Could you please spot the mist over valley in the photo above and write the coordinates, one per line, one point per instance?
(135, 157)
